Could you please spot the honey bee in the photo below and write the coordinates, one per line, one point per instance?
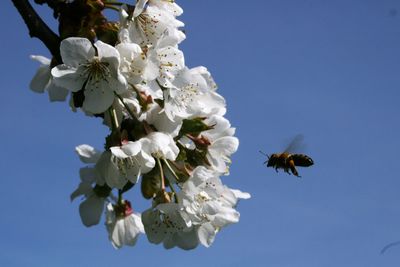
(288, 161)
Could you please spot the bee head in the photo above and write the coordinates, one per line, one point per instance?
(272, 160)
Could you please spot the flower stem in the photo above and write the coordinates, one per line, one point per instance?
(170, 185)
(119, 197)
(146, 127)
(171, 170)
(112, 7)
(113, 117)
(126, 106)
(115, 3)
(161, 174)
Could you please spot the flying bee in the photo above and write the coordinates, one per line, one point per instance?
(288, 161)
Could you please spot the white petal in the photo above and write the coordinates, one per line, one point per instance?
(88, 154)
(56, 93)
(98, 97)
(153, 226)
(83, 189)
(187, 240)
(146, 162)
(108, 53)
(151, 71)
(226, 145)
(211, 207)
(109, 172)
(87, 175)
(75, 50)
(136, 219)
(126, 231)
(131, 233)
(41, 79)
(129, 51)
(225, 217)
(240, 194)
(118, 233)
(206, 234)
(113, 177)
(161, 121)
(118, 152)
(91, 210)
(216, 160)
(67, 78)
(133, 173)
(140, 5)
(41, 59)
(132, 148)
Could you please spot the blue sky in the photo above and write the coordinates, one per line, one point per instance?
(326, 69)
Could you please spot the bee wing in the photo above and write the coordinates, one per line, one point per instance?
(296, 144)
(389, 246)
(302, 160)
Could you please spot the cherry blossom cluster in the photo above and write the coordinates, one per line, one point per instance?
(168, 133)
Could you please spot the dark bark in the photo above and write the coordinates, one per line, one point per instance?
(38, 28)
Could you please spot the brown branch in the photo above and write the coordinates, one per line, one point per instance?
(38, 28)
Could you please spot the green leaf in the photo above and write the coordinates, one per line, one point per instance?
(193, 126)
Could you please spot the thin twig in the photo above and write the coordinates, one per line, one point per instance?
(38, 28)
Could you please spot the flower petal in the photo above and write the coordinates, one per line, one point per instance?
(108, 53)
(240, 194)
(56, 93)
(75, 50)
(91, 210)
(98, 97)
(83, 189)
(41, 79)
(88, 154)
(88, 175)
(140, 5)
(132, 148)
(118, 152)
(67, 77)
(206, 234)
(41, 59)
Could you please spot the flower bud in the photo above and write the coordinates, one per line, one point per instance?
(151, 184)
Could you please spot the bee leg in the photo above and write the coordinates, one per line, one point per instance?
(293, 168)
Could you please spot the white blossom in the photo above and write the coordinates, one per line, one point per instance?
(153, 105)
(130, 100)
(192, 93)
(135, 65)
(222, 143)
(123, 163)
(92, 207)
(43, 81)
(205, 207)
(169, 224)
(166, 5)
(152, 23)
(96, 71)
(123, 229)
(159, 119)
(209, 204)
(160, 145)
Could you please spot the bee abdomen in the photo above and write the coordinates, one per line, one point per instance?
(302, 160)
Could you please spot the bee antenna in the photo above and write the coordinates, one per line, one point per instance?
(264, 154)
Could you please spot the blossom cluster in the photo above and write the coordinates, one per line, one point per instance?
(168, 132)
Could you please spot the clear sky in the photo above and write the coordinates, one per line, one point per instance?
(329, 70)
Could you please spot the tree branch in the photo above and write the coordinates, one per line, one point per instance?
(38, 28)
